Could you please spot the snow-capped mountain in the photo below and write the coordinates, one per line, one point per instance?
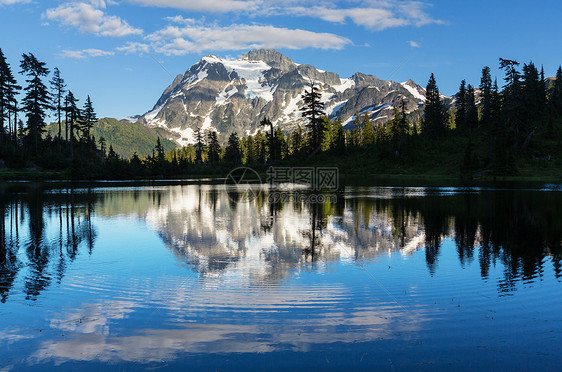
(235, 95)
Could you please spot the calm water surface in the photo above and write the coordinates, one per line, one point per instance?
(207, 278)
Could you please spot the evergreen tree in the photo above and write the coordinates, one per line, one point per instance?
(542, 92)
(102, 143)
(250, 150)
(159, 150)
(486, 88)
(57, 91)
(297, 142)
(356, 132)
(434, 112)
(88, 119)
(8, 92)
(511, 93)
(232, 152)
(471, 111)
(368, 131)
(556, 97)
(401, 130)
(460, 119)
(531, 94)
(280, 144)
(313, 110)
(73, 117)
(495, 103)
(340, 137)
(199, 146)
(112, 156)
(37, 98)
(214, 147)
(272, 145)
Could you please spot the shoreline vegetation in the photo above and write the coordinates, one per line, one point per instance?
(485, 134)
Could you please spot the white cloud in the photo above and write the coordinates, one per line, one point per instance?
(12, 2)
(215, 6)
(414, 44)
(134, 47)
(85, 53)
(373, 14)
(89, 19)
(192, 38)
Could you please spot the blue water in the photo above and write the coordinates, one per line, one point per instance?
(196, 277)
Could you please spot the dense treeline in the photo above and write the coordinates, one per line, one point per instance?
(486, 130)
(23, 144)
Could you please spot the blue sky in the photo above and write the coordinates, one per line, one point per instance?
(123, 53)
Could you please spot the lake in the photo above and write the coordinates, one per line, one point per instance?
(214, 277)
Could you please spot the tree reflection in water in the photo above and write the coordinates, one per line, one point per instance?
(23, 241)
(214, 229)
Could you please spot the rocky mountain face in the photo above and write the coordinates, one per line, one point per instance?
(235, 95)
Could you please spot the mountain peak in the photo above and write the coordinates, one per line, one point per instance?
(272, 57)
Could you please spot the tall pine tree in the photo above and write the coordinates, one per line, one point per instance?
(232, 152)
(57, 91)
(8, 92)
(214, 147)
(88, 119)
(460, 118)
(73, 117)
(471, 111)
(556, 96)
(313, 110)
(435, 112)
(37, 98)
(199, 146)
(486, 88)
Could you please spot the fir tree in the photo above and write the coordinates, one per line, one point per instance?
(37, 98)
(340, 137)
(542, 92)
(159, 151)
(511, 102)
(250, 150)
(280, 144)
(434, 112)
(368, 131)
(265, 122)
(356, 131)
(73, 117)
(486, 88)
(88, 119)
(8, 92)
(199, 146)
(297, 142)
(232, 152)
(460, 119)
(471, 111)
(531, 94)
(102, 144)
(214, 147)
(313, 110)
(57, 91)
(556, 97)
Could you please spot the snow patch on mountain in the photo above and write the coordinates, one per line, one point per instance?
(345, 85)
(252, 72)
(225, 95)
(334, 107)
(413, 91)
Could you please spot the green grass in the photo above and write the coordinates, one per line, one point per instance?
(126, 138)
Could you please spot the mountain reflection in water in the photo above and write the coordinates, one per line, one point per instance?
(242, 275)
